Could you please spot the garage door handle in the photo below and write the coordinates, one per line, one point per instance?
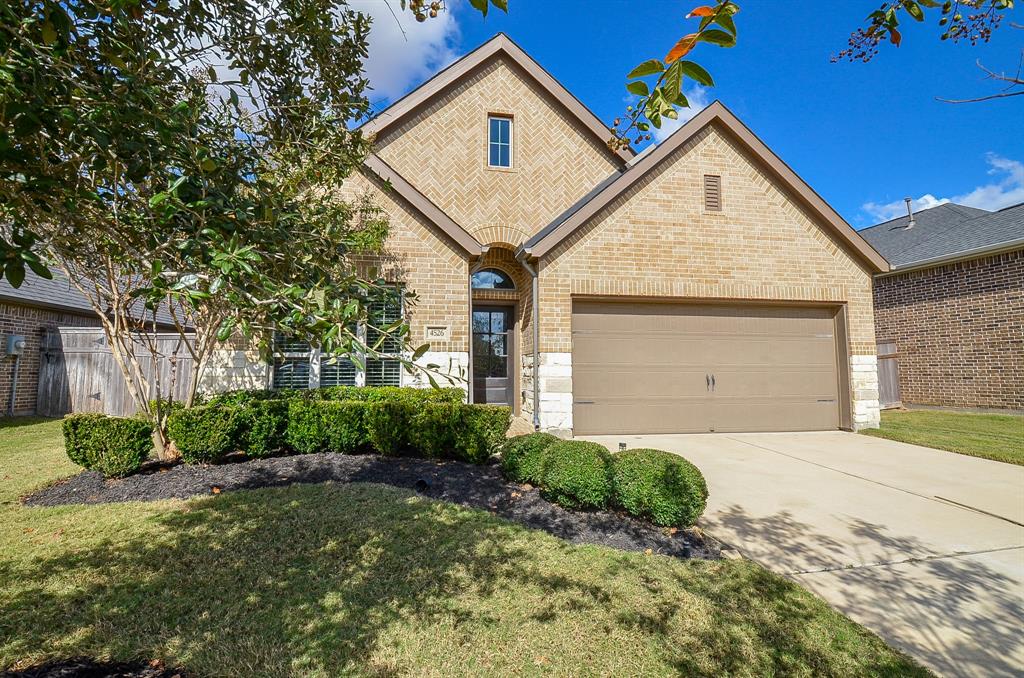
(712, 383)
(584, 402)
(707, 380)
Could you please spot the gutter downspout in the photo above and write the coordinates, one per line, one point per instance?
(521, 257)
(473, 268)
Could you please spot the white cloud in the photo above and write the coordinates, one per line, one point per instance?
(1007, 189)
(402, 51)
(698, 98)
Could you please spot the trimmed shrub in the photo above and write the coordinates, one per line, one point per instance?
(263, 424)
(345, 424)
(307, 427)
(480, 431)
(659, 486)
(207, 433)
(577, 474)
(375, 394)
(114, 446)
(522, 457)
(432, 429)
(388, 425)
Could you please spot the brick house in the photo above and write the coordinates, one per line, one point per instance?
(952, 307)
(29, 311)
(698, 286)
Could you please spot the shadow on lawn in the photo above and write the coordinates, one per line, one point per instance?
(315, 579)
(961, 615)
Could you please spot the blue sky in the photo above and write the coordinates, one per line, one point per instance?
(863, 135)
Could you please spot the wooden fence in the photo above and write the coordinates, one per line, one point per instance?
(888, 375)
(77, 372)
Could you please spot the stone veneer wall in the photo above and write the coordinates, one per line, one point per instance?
(958, 330)
(657, 241)
(30, 322)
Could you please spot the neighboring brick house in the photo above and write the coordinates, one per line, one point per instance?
(699, 286)
(952, 307)
(29, 311)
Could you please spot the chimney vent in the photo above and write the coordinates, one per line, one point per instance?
(910, 213)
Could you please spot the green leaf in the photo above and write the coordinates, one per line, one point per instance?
(717, 37)
(673, 81)
(914, 9)
(725, 21)
(697, 73)
(49, 35)
(480, 6)
(501, 4)
(649, 67)
(15, 271)
(638, 87)
(420, 350)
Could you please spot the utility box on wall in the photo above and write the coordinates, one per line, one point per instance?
(15, 345)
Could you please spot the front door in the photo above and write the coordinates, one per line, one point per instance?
(492, 344)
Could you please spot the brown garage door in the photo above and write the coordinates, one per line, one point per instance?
(677, 368)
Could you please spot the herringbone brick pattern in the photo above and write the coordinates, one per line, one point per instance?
(442, 151)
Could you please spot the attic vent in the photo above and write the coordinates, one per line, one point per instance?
(712, 193)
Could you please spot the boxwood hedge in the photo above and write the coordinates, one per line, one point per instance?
(114, 446)
(577, 474)
(660, 486)
(522, 457)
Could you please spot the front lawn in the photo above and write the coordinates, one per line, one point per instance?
(321, 580)
(991, 436)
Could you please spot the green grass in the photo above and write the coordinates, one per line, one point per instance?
(991, 436)
(322, 580)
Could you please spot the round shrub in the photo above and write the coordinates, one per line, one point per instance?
(114, 446)
(577, 474)
(205, 434)
(522, 457)
(659, 486)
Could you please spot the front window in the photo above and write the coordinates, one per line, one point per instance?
(499, 141)
(492, 279)
(298, 365)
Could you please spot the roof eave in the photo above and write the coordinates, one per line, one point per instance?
(965, 255)
(424, 206)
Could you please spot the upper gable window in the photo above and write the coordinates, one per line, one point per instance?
(499, 141)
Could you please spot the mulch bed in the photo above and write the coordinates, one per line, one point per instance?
(83, 667)
(481, 487)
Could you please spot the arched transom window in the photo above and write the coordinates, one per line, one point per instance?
(492, 279)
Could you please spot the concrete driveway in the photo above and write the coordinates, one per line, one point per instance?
(924, 547)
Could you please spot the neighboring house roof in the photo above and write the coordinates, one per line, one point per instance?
(58, 294)
(502, 45)
(584, 209)
(948, 232)
(424, 206)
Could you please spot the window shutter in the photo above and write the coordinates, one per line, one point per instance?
(291, 362)
(712, 193)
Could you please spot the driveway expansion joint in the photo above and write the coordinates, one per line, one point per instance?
(902, 561)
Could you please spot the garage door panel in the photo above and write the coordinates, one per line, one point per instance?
(770, 415)
(624, 381)
(636, 348)
(809, 385)
(643, 368)
(613, 416)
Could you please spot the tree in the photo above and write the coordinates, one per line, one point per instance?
(187, 159)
